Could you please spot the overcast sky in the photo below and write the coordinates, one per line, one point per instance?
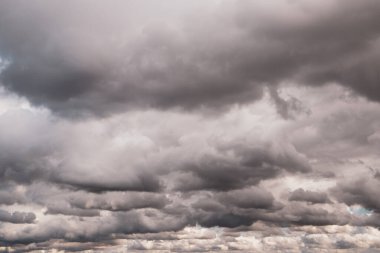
(190, 126)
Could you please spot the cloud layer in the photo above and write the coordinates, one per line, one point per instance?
(177, 126)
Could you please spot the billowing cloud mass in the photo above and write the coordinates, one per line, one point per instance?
(189, 126)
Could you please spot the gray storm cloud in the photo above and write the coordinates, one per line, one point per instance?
(189, 126)
(126, 54)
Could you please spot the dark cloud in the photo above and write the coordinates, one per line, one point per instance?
(249, 166)
(71, 211)
(142, 182)
(174, 62)
(120, 202)
(154, 68)
(299, 214)
(309, 196)
(229, 220)
(231, 209)
(17, 217)
(287, 108)
(248, 198)
(360, 191)
(341, 244)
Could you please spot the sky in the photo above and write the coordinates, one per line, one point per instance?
(190, 126)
